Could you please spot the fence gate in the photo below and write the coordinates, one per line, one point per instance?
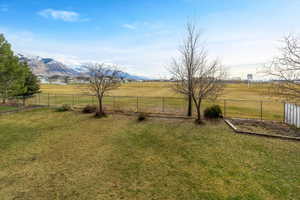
(292, 114)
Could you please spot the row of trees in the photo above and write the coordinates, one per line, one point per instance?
(195, 76)
(198, 78)
(16, 78)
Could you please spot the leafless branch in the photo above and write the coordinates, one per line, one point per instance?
(285, 69)
(195, 76)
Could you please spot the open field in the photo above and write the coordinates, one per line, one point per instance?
(50, 155)
(151, 100)
(257, 91)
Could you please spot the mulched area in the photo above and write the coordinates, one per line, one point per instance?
(265, 127)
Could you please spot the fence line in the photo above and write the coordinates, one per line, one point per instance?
(263, 110)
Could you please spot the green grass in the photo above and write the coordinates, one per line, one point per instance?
(150, 100)
(49, 155)
(173, 105)
(4, 108)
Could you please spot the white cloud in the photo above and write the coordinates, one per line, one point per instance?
(129, 26)
(67, 16)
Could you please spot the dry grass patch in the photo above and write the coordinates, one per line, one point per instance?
(74, 156)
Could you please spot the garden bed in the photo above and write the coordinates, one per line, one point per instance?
(264, 128)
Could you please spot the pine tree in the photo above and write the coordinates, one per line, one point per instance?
(30, 86)
(15, 76)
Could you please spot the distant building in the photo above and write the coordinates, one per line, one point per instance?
(43, 79)
(249, 77)
(236, 79)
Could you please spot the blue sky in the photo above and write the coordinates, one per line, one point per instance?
(143, 36)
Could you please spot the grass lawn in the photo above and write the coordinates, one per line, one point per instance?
(4, 108)
(50, 155)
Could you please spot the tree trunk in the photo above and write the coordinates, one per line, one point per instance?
(189, 112)
(199, 114)
(198, 108)
(5, 97)
(100, 109)
(24, 101)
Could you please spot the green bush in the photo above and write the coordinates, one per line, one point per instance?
(89, 109)
(64, 108)
(100, 115)
(213, 112)
(142, 117)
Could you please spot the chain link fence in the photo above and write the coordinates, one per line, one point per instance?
(233, 108)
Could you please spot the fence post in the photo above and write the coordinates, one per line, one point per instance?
(19, 107)
(224, 107)
(72, 99)
(163, 104)
(114, 103)
(283, 120)
(261, 114)
(39, 99)
(137, 104)
(48, 100)
(296, 115)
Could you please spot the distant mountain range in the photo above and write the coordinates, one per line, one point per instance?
(49, 67)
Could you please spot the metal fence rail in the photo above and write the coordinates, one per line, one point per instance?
(263, 110)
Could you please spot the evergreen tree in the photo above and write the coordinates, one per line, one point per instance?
(11, 74)
(15, 76)
(30, 85)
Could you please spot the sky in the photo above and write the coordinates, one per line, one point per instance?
(142, 36)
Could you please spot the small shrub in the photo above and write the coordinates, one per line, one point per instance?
(100, 115)
(199, 122)
(142, 117)
(64, 108)
(213, 112)
(89, 109)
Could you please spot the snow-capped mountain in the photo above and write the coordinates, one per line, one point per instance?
(49, 67)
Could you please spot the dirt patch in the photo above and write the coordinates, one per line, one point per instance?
(265, 127)
(16, 108)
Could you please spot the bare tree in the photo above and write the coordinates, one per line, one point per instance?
(285, 69)
(196, 77)
(102, 80)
